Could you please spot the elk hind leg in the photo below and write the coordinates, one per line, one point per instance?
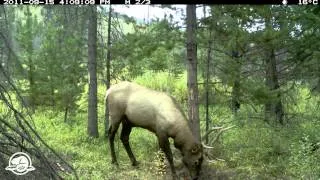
(111, 134)
(125, 133)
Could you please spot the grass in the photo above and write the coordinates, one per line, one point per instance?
(251, 150)
(91, 156)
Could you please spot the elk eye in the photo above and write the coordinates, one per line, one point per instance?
(196, 163)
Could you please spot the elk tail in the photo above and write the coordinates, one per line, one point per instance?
(107, 94)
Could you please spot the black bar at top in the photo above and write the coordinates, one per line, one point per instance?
(222, 1)
(145, 2)
(248, 2)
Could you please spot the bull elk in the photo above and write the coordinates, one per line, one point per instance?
(133, 105)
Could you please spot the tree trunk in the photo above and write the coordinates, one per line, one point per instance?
(192, 70)
(29, 49)
(273, 108)
(92, 69)
(52, 98)
(207, 84)
(66, 114)
(108, 72)
(31, 80)
(317, 86)
(235, 103)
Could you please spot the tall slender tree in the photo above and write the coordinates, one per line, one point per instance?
(192, 70)
(108, 71)
(26, 37)
(273, 109)
(209, 52)
(92, 69)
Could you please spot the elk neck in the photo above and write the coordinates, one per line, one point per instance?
(184, 138)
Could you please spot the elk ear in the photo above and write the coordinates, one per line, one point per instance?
(196, 148)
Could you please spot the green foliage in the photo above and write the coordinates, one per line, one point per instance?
(166, 82)
(91, 156)
(55, 72)
(256, 150)
(156, 47)
(51, 47)
(305, 158)
(268, 151)
(252, 150)
(305, 146)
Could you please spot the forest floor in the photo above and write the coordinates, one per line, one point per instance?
(91, 157)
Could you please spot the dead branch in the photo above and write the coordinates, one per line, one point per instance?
(20, 134)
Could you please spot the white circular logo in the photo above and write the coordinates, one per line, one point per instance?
(20, 163)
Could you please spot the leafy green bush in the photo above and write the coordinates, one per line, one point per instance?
(305, 158)
(163, 81)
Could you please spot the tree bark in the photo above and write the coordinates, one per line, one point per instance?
(31, 80)
(273, 108)
(66, 109)
(92, 70)
(192, 71)
(235, 103)
(29, 50)
(108, 72)
(207, 84)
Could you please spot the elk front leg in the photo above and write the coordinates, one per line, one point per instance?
(165, 147)
(125, 133)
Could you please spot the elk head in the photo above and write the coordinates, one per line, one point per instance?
(192, 159)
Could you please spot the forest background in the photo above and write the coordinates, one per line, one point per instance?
(258, 71)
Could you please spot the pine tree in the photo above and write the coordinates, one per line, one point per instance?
(92, 69)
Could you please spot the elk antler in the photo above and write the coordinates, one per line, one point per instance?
(206, 146)
(221, 130)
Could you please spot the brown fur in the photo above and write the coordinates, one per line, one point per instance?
(136, 106)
